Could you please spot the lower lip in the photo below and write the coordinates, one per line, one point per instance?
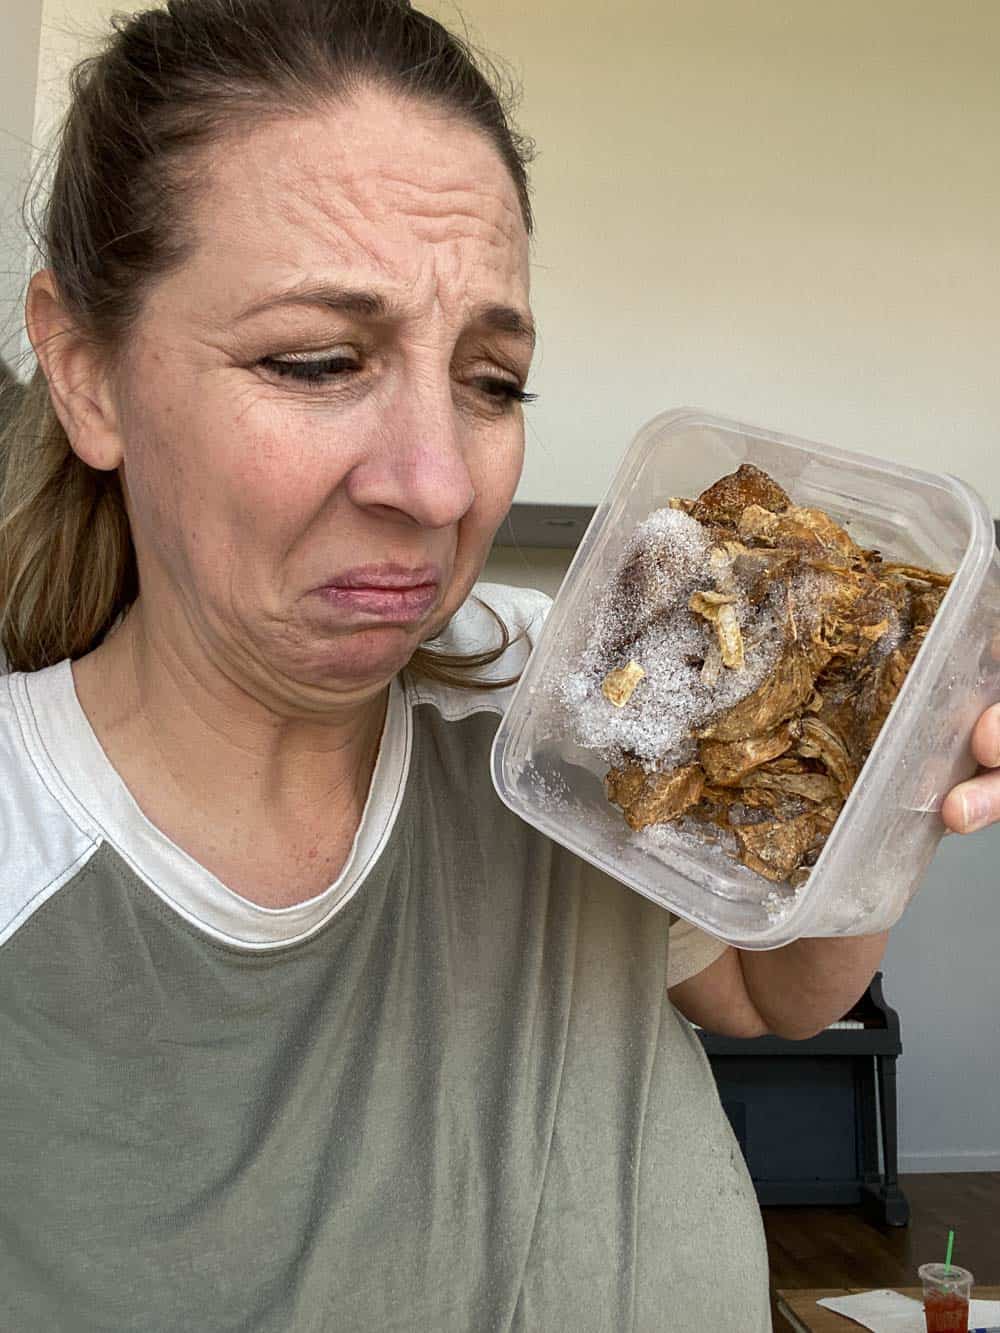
(384, 603)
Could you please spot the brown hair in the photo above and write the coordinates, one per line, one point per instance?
(167, 83)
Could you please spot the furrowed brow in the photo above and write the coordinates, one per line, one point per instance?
(506, 319)
(347, 300)
(370, 305)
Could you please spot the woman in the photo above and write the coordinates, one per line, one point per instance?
(302, 1030)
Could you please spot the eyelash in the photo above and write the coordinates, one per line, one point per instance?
(317, 371)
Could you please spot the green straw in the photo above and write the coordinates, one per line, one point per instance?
(947, 1257)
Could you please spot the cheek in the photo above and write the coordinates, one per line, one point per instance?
(202, 490)
(286, 458)
(255, 472)
(162, 511)
(496, 470)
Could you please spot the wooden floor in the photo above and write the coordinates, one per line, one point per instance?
(837, 1247)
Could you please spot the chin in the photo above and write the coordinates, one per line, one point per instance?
(367, 658)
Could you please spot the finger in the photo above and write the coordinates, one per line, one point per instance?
(986, 738)
(973, 804)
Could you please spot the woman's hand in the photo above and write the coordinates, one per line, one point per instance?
(797, 990)
(975, 804)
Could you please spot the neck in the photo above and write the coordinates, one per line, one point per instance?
(220, 771)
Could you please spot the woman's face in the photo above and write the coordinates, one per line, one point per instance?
(320, 430)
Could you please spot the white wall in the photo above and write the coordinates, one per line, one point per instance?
(70, 29)
(941, 974)
(786, 213)
(42, 40)
(18, 64)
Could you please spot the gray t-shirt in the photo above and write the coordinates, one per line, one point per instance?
(447, 1094)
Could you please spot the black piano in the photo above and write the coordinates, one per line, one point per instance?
(816, 1119)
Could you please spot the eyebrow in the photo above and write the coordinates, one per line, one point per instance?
(506, 319)
(370, 305)
(345, 299)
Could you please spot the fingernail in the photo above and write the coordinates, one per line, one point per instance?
(975, 811)
(995, 728)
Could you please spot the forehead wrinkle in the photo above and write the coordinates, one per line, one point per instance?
(455, 225)
(381, 189)
(345, 236)
(452, 199)
(333, 193)
(302, 211)
(384, 247)
(342, 224)
(447, 213)
(350, 153)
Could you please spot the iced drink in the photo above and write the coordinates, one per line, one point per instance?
(946, 1297)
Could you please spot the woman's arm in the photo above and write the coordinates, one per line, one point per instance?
(792, 992)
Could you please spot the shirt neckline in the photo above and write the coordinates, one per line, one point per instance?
(69, 756)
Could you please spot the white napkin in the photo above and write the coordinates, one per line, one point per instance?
(881, 1311)
(888, 1312)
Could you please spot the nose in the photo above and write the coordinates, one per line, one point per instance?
(418, 467)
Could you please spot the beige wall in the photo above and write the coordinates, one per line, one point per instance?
(18, 48)
(70, 29)
(528, 567)
(784, 212)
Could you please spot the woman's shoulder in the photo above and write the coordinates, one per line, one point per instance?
(474, 626)
(46, 839)
(495, 618)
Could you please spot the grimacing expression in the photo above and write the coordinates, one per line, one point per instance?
(326, 393)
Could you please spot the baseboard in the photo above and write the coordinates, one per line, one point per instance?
(949, 1161)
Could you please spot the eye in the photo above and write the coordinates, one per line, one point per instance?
(503, 392)
(311, 369)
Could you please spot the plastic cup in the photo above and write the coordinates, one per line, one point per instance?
(946, 1297)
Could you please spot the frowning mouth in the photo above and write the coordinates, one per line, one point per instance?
(385, 592)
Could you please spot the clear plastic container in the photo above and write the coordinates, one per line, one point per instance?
(890, 826)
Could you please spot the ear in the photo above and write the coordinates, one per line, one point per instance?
(79, 384)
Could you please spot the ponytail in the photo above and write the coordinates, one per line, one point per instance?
(67, 564)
